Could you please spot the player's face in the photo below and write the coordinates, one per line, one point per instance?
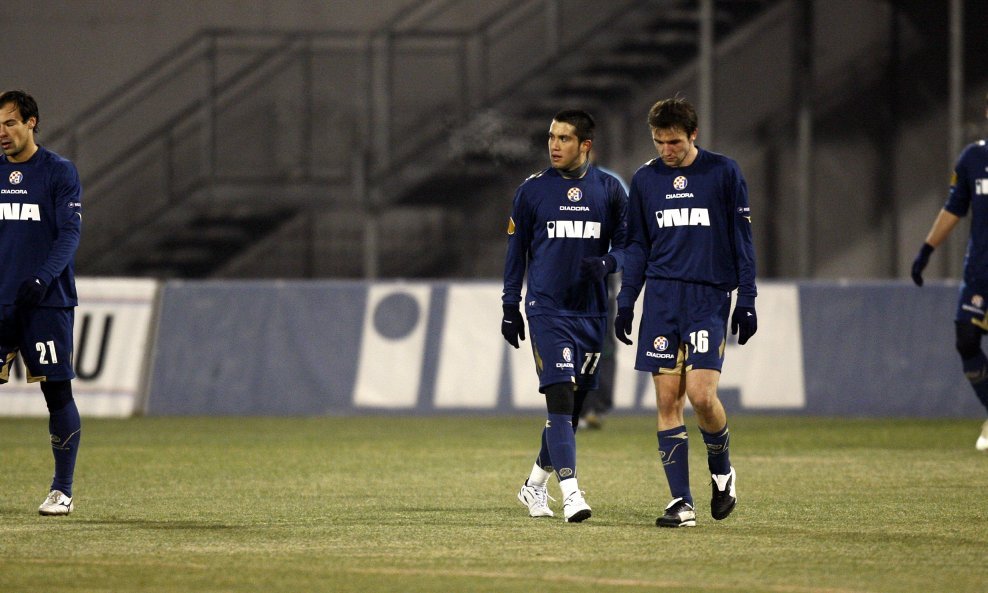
(16, 136)
(566, 152)
(675, 148)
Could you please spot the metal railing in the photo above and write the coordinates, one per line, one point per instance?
(332, 111)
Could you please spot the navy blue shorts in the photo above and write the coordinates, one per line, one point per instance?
(972, 307)
(567, 349)
(683, 327)
(45, 345)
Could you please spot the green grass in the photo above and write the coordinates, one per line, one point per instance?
(428, 504)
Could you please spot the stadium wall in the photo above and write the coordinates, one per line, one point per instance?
(348, 348)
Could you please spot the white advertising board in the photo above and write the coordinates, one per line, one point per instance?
(113, 328)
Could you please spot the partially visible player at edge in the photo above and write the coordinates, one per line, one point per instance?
(563, 221)
(968, 181)
(40, 225)
(689, 243)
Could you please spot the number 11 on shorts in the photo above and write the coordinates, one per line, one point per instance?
(590, 359)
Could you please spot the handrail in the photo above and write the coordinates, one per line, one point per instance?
(181, 111)
(385, 170)
(115, 95)
(173, 77)
(196, 49)
(171, 62)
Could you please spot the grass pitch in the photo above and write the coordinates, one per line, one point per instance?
(376, 504)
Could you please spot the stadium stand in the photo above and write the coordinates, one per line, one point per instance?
(393, 150)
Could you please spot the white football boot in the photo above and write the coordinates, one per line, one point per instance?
(982, 443)
(56, 504)
(575, 508)
(536, 498)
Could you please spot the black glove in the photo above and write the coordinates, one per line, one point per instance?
(622, 324)
(597, 268)
(744, 319)
(512, 325)
(30, 293)
(919, 264)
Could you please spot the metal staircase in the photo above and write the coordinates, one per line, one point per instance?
(211, 160)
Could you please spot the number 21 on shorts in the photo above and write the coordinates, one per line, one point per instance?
(46, 351)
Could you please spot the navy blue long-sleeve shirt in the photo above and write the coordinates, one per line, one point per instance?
(40, 226)
(555, 223)
(691, 224)
(970, 179)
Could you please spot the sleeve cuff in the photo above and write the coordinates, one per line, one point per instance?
(745, 300)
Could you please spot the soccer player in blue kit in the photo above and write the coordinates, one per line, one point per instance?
(40, 224)
(690, 245)
(968, 191)
(563, 222)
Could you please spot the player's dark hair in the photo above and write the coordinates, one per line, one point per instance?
(579, 119)
(673, 113)
(25, 103)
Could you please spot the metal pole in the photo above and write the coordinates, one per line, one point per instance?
(706, 72)
(552, 26)
(212, 110)
(803, 83)
(379, 158)
(381, 63)
(891, 209)
(956, 102)
(955, 105)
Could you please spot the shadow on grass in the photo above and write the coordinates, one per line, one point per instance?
(175, 525)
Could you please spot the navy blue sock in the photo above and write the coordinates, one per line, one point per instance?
(674, 451)
(65, 428)
(562, 445)
(976, 371)
(544, 460)
(718, 455)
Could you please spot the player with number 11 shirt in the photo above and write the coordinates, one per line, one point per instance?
(566, 230)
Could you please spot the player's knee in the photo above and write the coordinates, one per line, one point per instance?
(58, 394)
(559, 398)
(704, 402)
(968, 341)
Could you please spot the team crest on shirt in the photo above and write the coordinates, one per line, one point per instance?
(978, 300)
(574, 194)
(660, 343)
(679, 183)
(16, 177)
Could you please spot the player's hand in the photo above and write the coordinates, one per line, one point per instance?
(745, 321)
(597, 268)
(30, 293)
(919, 264)
(512, 325)
(622, 324)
